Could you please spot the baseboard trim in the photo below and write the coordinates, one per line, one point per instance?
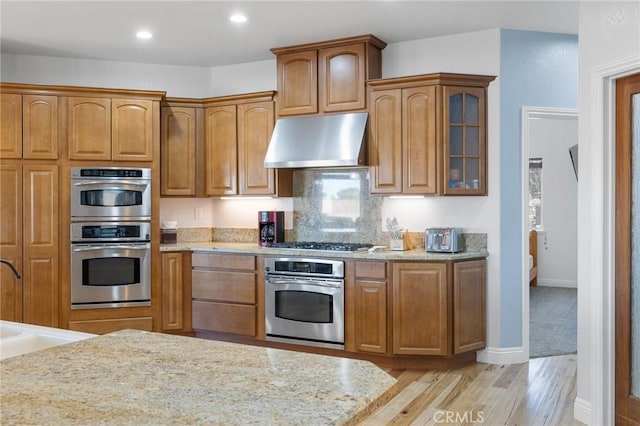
(582, 411)
(542, 282)
(502, 356)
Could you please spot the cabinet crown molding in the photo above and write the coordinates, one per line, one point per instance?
(366, 38)
(442, 78)
(40, 89)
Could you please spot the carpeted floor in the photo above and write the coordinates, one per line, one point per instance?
(552, 321)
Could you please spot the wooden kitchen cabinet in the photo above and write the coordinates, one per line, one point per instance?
(469, 305)
(221, 150)
(102, 128)
(11, 125)
(427, 134)
(216, 147)
(464, 141)
(29, 126)
(181, 148)
(132, 130)
(237, 134)
(421, 309)
(104, 326)
(29, 239)
(176, 292)
(89, 128)
(370, 307)
(224, 293)
(327, 76)
(297, 83)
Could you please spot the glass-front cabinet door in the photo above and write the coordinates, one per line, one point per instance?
(464, 134)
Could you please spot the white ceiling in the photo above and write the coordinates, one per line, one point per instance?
(198, 33)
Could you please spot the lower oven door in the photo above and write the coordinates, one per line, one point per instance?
(306, 309)
(110, 275)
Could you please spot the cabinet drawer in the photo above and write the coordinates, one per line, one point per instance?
(238, 287)
(224, 317)
(111, 325)
(205, 260)
(371, 270)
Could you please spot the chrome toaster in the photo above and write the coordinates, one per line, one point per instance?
(444, 240)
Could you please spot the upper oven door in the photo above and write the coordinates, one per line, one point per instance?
(110, 199)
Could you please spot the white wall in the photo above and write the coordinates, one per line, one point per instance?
(243, 78)
(550, 138)
(473, 53)
(177, 81)
(609, 34)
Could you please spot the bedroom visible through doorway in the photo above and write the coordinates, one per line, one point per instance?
(550, 136)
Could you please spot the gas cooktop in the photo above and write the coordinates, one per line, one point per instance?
(321, 246)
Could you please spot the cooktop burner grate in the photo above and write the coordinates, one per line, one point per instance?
(321, 246)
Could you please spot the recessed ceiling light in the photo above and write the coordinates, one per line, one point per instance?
(238, 18)
(145, 35)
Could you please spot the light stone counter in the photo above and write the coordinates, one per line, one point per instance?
(135, 377)
(252, 248)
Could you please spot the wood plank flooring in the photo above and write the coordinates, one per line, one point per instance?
(540, 392)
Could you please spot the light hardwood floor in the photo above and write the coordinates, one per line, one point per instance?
(540, 392)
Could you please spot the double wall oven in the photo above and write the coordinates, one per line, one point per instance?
(110, 237)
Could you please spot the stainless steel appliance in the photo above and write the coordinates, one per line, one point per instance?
(444, 240)
(270, 227)
(110, 193)
(304, 301)
(328, 140)
(110, 264)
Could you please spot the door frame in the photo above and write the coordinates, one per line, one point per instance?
(596, 308)
(529, 113)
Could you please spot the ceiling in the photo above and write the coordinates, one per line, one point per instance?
(199, 33)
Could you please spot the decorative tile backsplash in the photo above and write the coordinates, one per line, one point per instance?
(335, 205)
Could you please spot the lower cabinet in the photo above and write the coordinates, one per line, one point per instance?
(469, 305)
(370, 307)
(176, 292)
(103, 326)
(421, 302)
(416, 308)
(224, 293)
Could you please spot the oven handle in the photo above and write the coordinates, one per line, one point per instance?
(303, 282)
(109, 247)
(110, 183)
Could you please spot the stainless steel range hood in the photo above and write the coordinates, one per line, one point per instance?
(318, 141)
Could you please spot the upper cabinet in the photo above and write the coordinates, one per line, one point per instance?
(427, 134)
(102, 128)
(29, 126)
(237, 133)
(181, 149)
(327, 76)
(216, 147)
(89, 128)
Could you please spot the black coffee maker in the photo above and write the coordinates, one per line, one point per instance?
(270, 227)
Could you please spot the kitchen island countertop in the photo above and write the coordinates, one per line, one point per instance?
(418, 254)
(136, 377)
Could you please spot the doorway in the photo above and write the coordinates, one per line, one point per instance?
(627, 251)
(549, 263)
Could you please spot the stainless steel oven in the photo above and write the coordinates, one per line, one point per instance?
(110, 264)
(304, 301)
(110, 193)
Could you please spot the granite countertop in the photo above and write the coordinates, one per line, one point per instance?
(133, 377)
(418, 254)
